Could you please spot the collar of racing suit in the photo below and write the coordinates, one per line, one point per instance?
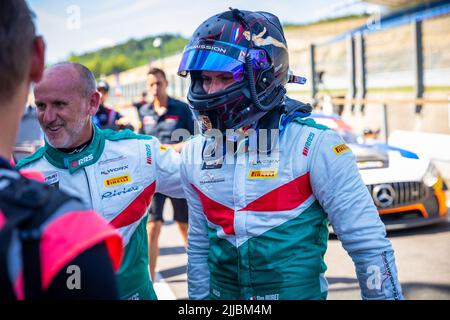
(276, 119)
(79, 160)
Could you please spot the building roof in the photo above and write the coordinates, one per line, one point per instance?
(399, 4)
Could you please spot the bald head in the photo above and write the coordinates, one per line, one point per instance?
(75, 75)
(66, 98)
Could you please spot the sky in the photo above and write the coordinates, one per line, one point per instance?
(79, 26)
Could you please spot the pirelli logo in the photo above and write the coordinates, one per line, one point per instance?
(117, 180)
(340, 148)
(262, 174)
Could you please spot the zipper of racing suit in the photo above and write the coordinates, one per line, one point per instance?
(245, 288)
(89, 186)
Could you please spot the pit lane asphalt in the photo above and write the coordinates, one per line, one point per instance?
(422, 257)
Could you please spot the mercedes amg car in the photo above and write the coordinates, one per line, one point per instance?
(408, 191)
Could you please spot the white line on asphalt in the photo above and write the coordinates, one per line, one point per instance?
(162, 288)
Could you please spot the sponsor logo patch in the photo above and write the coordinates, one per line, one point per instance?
(52, 178)
(262, 174)
(264, 162)
(210, 178)
(105, 172)
(162, 148)
(207, 47)
(275, 296)
(308, 144)
(81, 161)
(115, 193)
(340, 148)
(112, 160)
(148, 151)
(210, 165)
(117, 180)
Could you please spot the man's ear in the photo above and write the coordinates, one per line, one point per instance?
(37, 64)
(94, 102)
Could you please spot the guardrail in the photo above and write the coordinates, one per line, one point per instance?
(384, 102)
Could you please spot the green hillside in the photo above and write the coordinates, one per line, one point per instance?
(289, 26)
(134, 53)
(130, 54)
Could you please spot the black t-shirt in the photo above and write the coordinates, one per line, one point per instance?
(178, 116)
(139, 104)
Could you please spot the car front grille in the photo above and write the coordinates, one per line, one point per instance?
(404, 193)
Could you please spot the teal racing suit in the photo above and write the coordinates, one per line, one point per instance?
(258, 225)
(117, 175)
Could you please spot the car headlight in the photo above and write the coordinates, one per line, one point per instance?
(432, 178)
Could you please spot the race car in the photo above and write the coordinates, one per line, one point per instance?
(408, 191)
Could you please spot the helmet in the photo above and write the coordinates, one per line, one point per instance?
(103, 85)
(252, 47)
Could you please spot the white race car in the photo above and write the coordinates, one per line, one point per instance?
(407, 191)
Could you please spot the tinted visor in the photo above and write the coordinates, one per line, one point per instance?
(219, 56)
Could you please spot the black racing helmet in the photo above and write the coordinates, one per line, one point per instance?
(252, 47)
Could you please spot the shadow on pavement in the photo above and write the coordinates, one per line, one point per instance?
(172, 272)
(442, 227)
(426, 230)
(418, 290)
(334, 280)
(171, 250)
(175, 281)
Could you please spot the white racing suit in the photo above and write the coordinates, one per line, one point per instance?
(117, 175)
(258, 226)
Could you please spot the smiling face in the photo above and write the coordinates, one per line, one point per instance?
(64, 107)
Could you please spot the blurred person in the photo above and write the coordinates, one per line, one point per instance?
(29, 129)
(142, 101)
(44, 232)
(30, 136)
(258, 215)
(160, 118)
(106, 117)
(115, 173)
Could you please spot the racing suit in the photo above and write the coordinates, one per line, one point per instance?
(117, 175)
(258, 225)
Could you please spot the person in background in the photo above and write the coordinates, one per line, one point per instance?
(142, 101)
(106, 117)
